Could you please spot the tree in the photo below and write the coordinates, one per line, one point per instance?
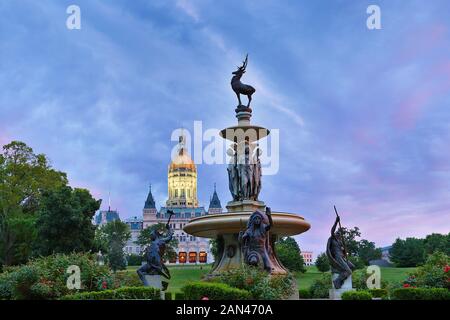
(116, 233)
(64, 222)
(24, 177)
(367, 251)
(322, 263)
(288, 252)
(408, 253)
(360, 252)
(351, 244)
(144, 240)
(437, 242)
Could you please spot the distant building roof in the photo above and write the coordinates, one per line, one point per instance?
(105, 216)
(179, 211)
(215, 201)
(150, 202)
(135, 223)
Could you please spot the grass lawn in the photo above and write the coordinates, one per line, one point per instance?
(391, 274)
(395, 274)
(183, 274)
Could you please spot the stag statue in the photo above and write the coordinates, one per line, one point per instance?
(240, 88)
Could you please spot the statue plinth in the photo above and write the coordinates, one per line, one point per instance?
(154, 281)
(335, 294)
(245, 206)
(243, 114)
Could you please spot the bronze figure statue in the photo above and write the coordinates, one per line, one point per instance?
(337, 255)
(255, 242)
(240, 88)
(154, 255)
(244, 173)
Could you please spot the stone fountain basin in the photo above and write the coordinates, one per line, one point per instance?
(210, 226)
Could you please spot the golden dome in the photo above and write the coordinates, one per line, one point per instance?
(182, 161)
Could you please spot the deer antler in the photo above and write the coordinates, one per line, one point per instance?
(244, 65)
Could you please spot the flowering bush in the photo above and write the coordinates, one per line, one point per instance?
(105, 283)
(46, 277)
(433, 274)
(259, 283)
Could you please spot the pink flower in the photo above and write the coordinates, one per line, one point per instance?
(447, 269)
(406, 285)
(205, 298)
(104, 285)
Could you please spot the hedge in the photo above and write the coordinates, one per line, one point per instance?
(356, 295)
(179, 296)
(213, 291)
(378, 293)
(125, 293)
(421, 294)
(167, 295)
(305, 294)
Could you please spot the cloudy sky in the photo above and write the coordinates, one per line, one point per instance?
(364, 115)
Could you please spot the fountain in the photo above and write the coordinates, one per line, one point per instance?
(244, 173)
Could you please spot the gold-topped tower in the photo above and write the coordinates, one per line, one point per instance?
(182, 179)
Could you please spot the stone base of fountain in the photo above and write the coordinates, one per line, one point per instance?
(225, 227)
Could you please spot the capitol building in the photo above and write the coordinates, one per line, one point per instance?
(182, 200)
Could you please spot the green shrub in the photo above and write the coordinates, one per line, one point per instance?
(6, 286)
(378, 293)
(167, 295)
(126, 279)
(320, 287)
(421, 294)
(305, 294)
(125, 293)
(92, 295)
(46, 277)
(260, 285)
(141, 293)
(179, 296)
(356, 295)
(213, 291)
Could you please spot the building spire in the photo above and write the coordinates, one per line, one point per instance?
(150, 202)
(215, 201)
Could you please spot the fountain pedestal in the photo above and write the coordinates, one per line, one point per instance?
(244, 174)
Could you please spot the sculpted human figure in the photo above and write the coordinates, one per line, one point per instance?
(255, 240)
(154, 254)
(256, 180)
(337, 256)
(233, 176)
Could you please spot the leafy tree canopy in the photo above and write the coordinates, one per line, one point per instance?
(288, 252)
(322, 263)
(24, 177)
(64, 223)
(408, 253)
